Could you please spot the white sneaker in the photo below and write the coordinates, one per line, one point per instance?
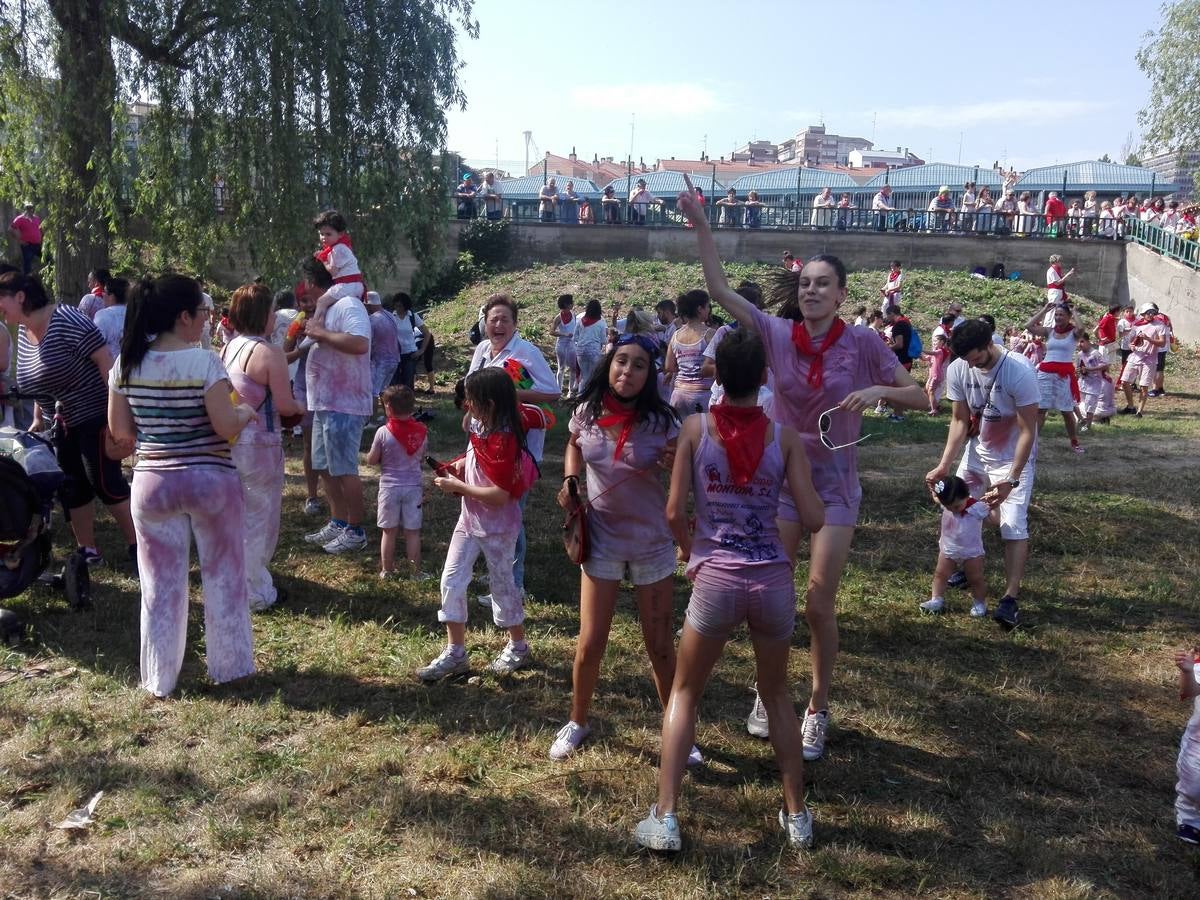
(346, 542)
(799, 828)
(654, 833)
(936, 605)
(259, 604)
(312, 507)
(445, 665)
(568, 739)
(509, 660)
(813, 732)
(325, 535)
(756, 722)
(979, 609)
(695, 757)
(484, 600)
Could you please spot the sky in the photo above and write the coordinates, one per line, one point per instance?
(1026, 83)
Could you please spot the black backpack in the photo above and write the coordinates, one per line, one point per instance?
(998, 271)
(475, 334)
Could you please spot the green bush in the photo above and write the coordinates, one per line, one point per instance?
(446, 281)
(488, 242)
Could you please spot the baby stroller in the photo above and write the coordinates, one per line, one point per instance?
(29, 479)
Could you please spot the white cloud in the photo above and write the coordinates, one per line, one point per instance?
(664, 100)
(1013, 111)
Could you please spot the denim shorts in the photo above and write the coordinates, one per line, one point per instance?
(336, 438)
(649, 570)
(764, 597)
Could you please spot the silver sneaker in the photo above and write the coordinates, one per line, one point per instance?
(568, 739)
(444, 666)
(815, 727)
(484, 600)
(346, 542)
(756, 722)
(325, 535)
(312, 507)
(799, 828)
(654, 833)
(509, 660)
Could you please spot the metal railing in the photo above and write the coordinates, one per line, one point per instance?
(1164, 241)
(791, 217)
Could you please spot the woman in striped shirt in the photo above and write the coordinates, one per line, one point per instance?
(174, 397)
(61, 354)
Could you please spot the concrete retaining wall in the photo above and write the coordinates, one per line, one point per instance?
(1175, 287)
(1100, 265)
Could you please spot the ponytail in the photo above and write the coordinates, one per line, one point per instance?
(154, 307)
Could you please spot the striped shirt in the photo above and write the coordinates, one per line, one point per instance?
(60, 365)
(166, 395)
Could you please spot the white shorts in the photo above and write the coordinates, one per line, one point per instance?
(1140, 374)
(399, 506)
(1014, 512)
(649, 570)
(1055, 392)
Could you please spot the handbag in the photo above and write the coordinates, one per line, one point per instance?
(575, 526)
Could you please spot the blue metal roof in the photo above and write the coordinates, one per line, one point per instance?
(527, 187)
(785, 181)
(667, 185)
(1091, 175)
(933, 175)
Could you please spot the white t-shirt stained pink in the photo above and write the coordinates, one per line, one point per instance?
(337, 381)
(628, 522)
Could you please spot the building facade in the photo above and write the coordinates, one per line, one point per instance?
(1179, 167)
(814, 146)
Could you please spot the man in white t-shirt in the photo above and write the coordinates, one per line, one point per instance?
(994, 414)
(881, 203)
(338, 383)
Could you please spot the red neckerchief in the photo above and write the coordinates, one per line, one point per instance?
(892, 273)
(588, 320)
(618, 415)
(971, 501)
(534, 416)
(325, 252)
(497, 454)
(804, 345)
(409, 433)
(565, 316)
(743, 430)
(1058, 330)
(98, 291)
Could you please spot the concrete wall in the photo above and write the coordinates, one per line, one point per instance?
(1100, 265)
(1175, 287)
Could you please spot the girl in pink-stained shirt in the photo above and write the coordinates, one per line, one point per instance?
(733, 461)
(621, 434)
(490, 477)
(826, 374)
(935, 383)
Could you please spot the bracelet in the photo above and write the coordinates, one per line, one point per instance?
(570, 477)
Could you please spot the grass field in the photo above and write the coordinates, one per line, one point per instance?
(963, 761)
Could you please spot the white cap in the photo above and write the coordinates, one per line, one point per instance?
(373, 299)
(1147, 307)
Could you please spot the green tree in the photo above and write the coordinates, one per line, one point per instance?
(1105, 158)
(1171, 118)
(1133, 160)
(177, 126)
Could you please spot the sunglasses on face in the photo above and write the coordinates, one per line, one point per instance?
(825, 423)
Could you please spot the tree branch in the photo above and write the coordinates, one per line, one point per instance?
(192, 25)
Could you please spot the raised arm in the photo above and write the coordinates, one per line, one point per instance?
(1034, 326)
(714, 276)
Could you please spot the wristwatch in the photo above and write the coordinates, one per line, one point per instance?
(1012, 482)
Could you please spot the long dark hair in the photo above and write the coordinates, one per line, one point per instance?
(785, 287)
(492, 386)
(648, 404)
(154, 307)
